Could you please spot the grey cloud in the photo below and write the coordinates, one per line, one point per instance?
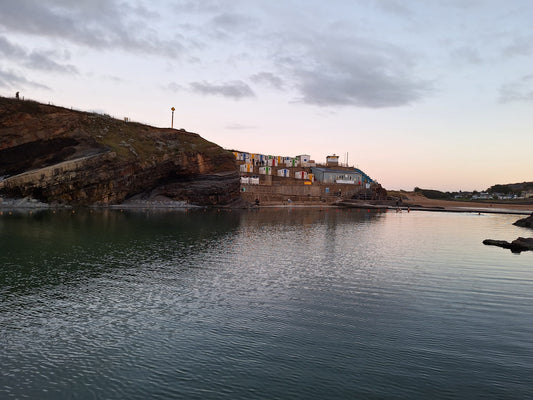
(33, 60)
(175, 87)
(467, 55)
(359, 88)
(226, 26)
(204, 6)
(269, 79)
(12, 81)
(332, 72)
(231, 21)
(520, 90)
(394, 7)
(95, 24)
(521, 46)
(42, 62)
(10, 50)
(234, 89)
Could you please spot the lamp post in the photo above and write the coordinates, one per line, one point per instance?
(172, 121)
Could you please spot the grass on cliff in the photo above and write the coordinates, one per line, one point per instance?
(125, 138)
(129, 140)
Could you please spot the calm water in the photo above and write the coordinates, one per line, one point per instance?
(268, 304)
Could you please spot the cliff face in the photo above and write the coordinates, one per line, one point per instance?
(58, 155)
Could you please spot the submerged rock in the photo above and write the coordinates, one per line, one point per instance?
(525, 222)
(516, 246)
(57, 155)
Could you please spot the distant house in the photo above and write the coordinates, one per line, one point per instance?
(247, 168)
(284, 172)
(265, 171)
(272, 162)
(291, 162)
(526, 194)
(301, 175)
(303, 159)
(332, 161)
(481, 196)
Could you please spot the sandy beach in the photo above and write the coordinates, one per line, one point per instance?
(448, 205)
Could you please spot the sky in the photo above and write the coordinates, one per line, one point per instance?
(423, 93)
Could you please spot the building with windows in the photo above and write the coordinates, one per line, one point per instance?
(353, 176)
(332, 161)
(303, 159)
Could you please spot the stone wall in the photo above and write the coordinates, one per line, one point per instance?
(298, 192)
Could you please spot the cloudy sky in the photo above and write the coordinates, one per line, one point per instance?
(429, 93)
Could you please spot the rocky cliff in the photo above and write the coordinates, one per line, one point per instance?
(57, 155)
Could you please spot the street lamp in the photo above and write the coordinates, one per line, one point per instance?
(172, 122)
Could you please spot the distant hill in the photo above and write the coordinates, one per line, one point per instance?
(501, 189)
(434, 194)
(511, 188)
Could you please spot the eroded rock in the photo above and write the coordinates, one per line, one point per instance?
(57, 155)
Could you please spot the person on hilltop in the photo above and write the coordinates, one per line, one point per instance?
(17, 95)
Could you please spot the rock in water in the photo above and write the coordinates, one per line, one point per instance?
(525, 222)
(516, 246)
(500, 243)
(57, 155)
(525, 243)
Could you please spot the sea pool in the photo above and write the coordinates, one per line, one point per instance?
(264, 304)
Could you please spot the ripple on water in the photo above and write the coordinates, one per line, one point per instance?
(300, 304)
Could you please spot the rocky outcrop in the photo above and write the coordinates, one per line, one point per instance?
(57, 155)
(525, 222)
(516, 246)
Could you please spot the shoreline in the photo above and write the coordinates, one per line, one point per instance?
(405, 208)
(418, 204)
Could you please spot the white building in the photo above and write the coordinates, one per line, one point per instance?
(291, 162)
(285, 173)
(265, 170)
(332, 161)
(301, 175)
(303, 159)
(246, 168)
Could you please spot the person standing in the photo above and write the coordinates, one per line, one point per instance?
(17, 95)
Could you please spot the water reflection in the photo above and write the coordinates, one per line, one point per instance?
(287, 303)
(50, 247)
(302, 217)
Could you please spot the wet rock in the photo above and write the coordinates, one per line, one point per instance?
(525, 222)
(516, 246)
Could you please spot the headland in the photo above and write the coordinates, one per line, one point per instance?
(63, 157)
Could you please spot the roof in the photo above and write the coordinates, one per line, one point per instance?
(336, 171)
(343, 171)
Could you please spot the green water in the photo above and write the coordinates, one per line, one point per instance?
(272, 303)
